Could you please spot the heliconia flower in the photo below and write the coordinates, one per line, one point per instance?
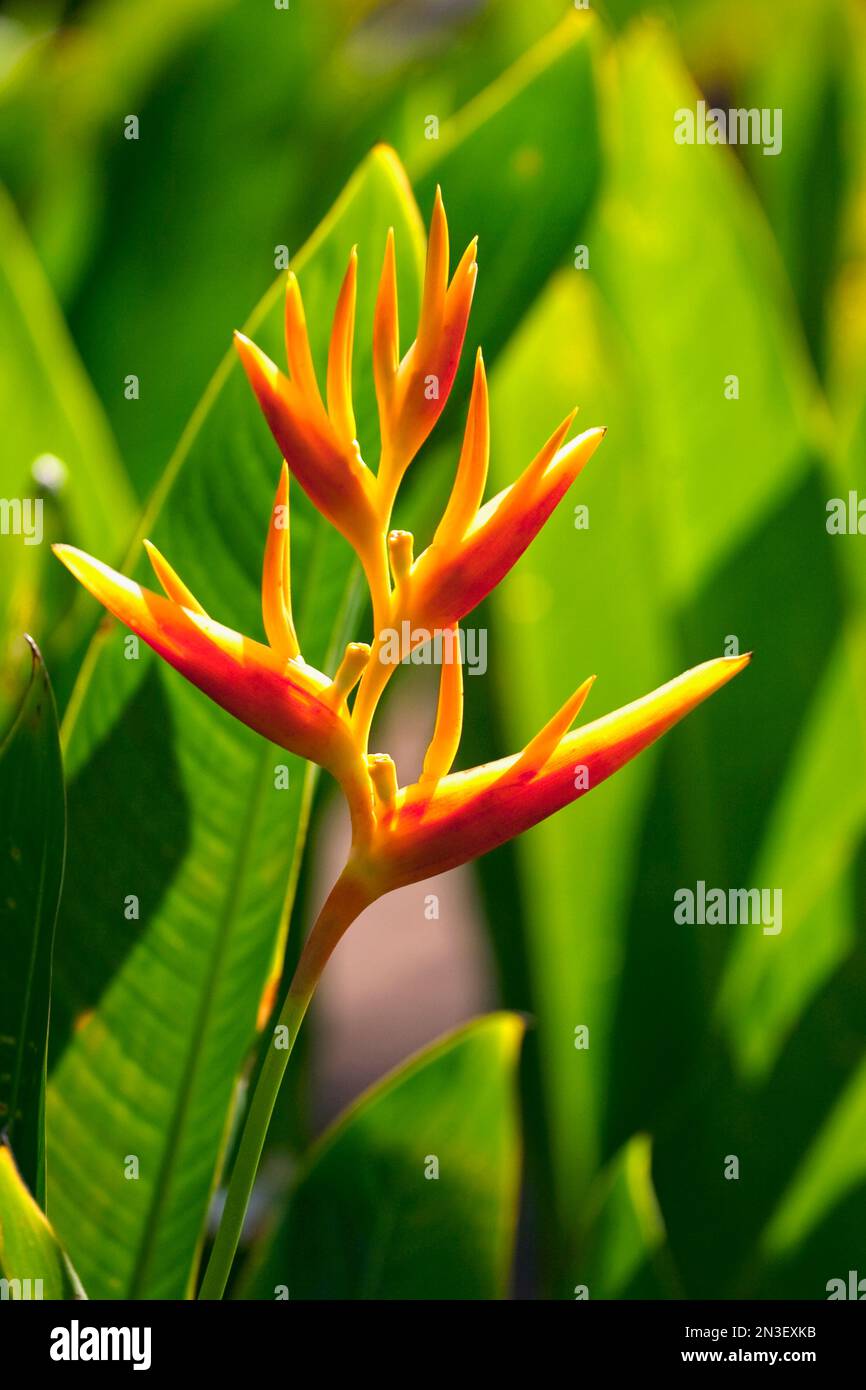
(399, 834)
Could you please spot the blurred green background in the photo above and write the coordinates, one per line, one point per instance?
(707, 527)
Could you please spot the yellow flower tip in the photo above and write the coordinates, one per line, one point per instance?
(339, 383)
(386, 328)
(72, 558)
(570, 459)
(738, 663)
(471, 476)
(98, 579)
(172, 585)
(355, 660)
(383, 775)
(549, 450)
(264, 375)
(401, 548)
(277, 576)
(445, 742)
(298, 353)
(462, 286)
(435, 278)
(553, 462)
(547, 740)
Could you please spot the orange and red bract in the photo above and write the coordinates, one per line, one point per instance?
(399, 835)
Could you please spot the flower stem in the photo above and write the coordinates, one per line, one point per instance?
(345, 901)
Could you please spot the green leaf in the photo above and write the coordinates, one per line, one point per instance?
(696, 504)
(810, 68)
(413, 1192)
(625, 1233)
(32, 843)
(33, 1264)
(519, 167)
(816, 1232)
(47, 402)
(681, 245)
(175, 813)
(765, 990)
(58, 451)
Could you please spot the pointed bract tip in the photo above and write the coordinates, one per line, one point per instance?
(72, 557)
(583, 445)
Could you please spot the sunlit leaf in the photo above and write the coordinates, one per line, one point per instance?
(59, 463)
(32, 841)
(33, 1265)
(413, 1192)
(681, 531)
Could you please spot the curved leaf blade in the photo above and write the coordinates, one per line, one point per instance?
(32, 845)
(33, 1264)
(368, 1220)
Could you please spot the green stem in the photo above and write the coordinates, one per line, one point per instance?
(345, 901)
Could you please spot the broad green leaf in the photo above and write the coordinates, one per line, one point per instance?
(32, 842)
(47, 402)
(624, 1236)
(696, 504)
(519, 168)
(176, 814)
(59, 462)
(413, 1192)
(805, 188)
(816, 1232)
(688, 268)
(767, 982)
(33, 1265)
(81, 77)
